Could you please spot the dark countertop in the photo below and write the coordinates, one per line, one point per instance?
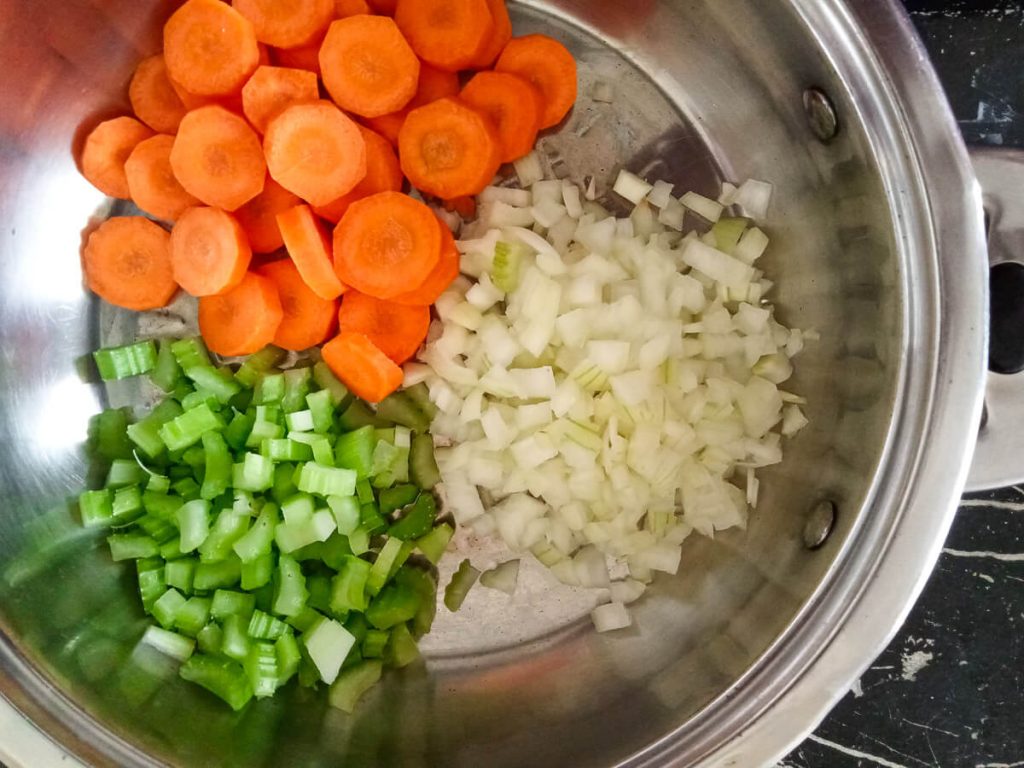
(949, 690)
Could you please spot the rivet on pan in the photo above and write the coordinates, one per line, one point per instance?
(819, 524)
(821, 114)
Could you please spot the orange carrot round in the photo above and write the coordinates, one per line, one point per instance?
(365, 370)
(310, 250)
(514, 107)
(499, 38)
(218, 158)
(308, 319)
(209, 251)
(152, 182)
(345, 8)
(210, 48)
(154, 100)
(386, 244)
(106, 150)
(434, 84)
(272, 89)
(549, 66)
(258, 217)
(127, 262)
(383, 174)
(243, 320)
(388, 126)
(287, 23)
(449, 149)
(305, 57)
(440, 277)
(450, 34)
(367, 66)
(397, 330)
(315, 151)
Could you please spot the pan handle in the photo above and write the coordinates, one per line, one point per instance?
(999, 456)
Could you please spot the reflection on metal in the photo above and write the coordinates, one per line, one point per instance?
(819, 524)
(821, 114)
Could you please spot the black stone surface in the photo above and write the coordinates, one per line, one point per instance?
(949, 691)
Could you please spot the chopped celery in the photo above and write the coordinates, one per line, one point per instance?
(462, 581)
(417, 520)
(254, 473)
(384, 564)
(284, 449)
(193, 616)
(328, 382)
(221, 677)
(374, 644)
(357, 415)
(298, 508)
(132, 546)
(354, 450)
(165, 609)
(96, 507)
(394, 499)
(263, 626)
(353, 683)
(259, 539)
(160, 529)
(401, 649)
(151, 581)
(210, 576)
(395, 604)
(321, 410)
(187, 488)
(326, 481)
(293, 536)
(399, 408)
(359, 541)
(166, 374)
(190, 353)
(296, 387)
(304, 619)
(258, 364)
(503, 577)
(217, 466)
(258, 572)
(290, 593)
(320, 445)
(124, 362)
(434, 544)
(288, 657)
(269, 389)
(371, 520)
(235, 641)
(334, 551)
(229, 527)
(364, 492)
(328, 643)
(348, 592)
(390, 465)
(108, 434)
(180, 573)
(227, 602)
(218, 382)
(420, 395)
(425, 586)
(422, 465)
(145, 433)
(169, 643)
(237, 432)
(188, 428)
(209, 639)
(263, 669)
(124, 472)
(346, 510)
(263, 430)
(284, 482)
(319, 586)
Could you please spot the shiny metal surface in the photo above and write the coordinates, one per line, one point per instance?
(877, 244)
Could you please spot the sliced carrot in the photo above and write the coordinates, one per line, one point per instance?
(127, 262)
(388, 126)
(397, 330)
(106, 150)
(443, 274)
(450, 34)
(218, 158)
(258, 217)
(271, 89)
(287, 23)
(449, 149)
(499, 38)
(209, 251)
(345, 8)
(243, 320)
(514, 107)
(367, 66)
(549, 66)
(386, 244)
(308, 319)
(310, 250)
(305, 57)
(315, 151)
(383, 7)
(383, 174)
(210, 49)
(154, 100)
(365, 370)
(152, 182)
(434, 84)
(465, 206)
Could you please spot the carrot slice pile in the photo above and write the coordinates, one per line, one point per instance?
(310, 250)
(383, 174)
(153, 97)
(345, 8)
(441, 276)
(365, 370)
(315, 151)
(271, 90)
(434, 84)
(514, 107)
(210, 48)
(386, 244)
(243, 320)
(308, 319)
(499, 37)
(549, 66)
(449, 149)
(287, 23)
(367, 66)
(258, 217)
(209, 251)
(152, 182)
(397, 330)
(127, 262)
(450, 34)
(218, 158)
(107, 148)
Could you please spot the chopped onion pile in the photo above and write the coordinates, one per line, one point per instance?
(607, 385)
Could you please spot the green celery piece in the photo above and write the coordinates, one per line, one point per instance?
(425, 586)
(290, 594)
(259, 540)
(218, 382)
(151, 581)
(160, 529)
(187, 488)
(258, 573)
(132, 546)
(284, 482)
(433, 545)
(171, 550)
(320, 445)
(371, 520)
(364, 492)
(127, 504)
(420, 395)
(399, 408)
(235, 640)
(298, 509)
(108, 434)
(124, 362)
(211, 576)
(321, 408)
(727, 233)
(327, 644)
(217, 466)
(193, 616)
(158, 484)
(385, 434)
(291, 537)
(166, 608)
(359, 541)
(319, 586)
(145, 433)
(261, 666)
(375, 643)
(209, 639)
(358, 626)
(401, 649)
(416, 520)
(422, 465)
(180, 573)
(327, 381)
(195, 458)
(288, 657)
(96, 508)
(462, 581)
(296, 387)
(394, 499)
(229, 527)
(258, 364)
(194, 523)
(222, 677)
(284, 449)
(506, 267)
(227, 602)
(390, 465)
(334, 551)
(357, 415)
(254, 473)
(166, 374)
(188, 428)
(384, 565)
(326, 481)
(164, 505)
(353, 683)
(199, 397)
(299, 421)
(263, 626)
(170, 644)
(346, 510)
(190, 353)
(304, 619)
(396, 603)
(348, 588)
(269, 389)
(237, 432)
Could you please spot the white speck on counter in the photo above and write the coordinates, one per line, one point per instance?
(914, 662)
(857, 690)
(985, 577)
